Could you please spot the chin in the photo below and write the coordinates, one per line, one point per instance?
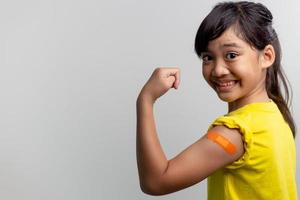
(227, 98)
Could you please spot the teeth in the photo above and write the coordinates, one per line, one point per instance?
(230, 83)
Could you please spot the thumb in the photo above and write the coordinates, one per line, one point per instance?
(177, 79)
(172, 80)
(173, 75)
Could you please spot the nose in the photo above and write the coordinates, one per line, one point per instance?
(220, 69)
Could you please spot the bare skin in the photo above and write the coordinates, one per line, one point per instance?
(157, 174)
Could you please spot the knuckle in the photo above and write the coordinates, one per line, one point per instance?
(158, 69)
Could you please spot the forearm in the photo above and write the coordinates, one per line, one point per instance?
(151, 159)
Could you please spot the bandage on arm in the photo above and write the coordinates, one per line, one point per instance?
(222, 141)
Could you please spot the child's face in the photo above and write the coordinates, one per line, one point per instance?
(233, 68)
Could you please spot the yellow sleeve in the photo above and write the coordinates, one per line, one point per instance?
(237, 123)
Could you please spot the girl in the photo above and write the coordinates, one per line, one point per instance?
(248, 153)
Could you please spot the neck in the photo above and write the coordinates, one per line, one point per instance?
(261, 96)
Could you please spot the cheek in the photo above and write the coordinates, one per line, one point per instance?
(206, 72)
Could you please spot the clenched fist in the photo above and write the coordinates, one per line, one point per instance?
(161, 80)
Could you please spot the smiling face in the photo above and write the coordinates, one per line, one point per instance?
(235, 70)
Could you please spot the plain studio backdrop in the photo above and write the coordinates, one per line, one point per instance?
(70, 75)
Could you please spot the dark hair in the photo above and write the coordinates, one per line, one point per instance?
(254, 22)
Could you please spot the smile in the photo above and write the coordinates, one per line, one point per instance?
(225, 86)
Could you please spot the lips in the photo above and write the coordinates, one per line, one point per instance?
(224, 85)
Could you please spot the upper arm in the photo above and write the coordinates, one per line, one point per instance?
(197, 162)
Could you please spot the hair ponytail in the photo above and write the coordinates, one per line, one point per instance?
(276, 78)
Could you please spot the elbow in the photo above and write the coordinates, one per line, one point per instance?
(152, 189)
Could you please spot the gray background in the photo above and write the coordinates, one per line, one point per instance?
(70, 74)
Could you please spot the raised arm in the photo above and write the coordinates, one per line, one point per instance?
(151, 159)
(157, 174)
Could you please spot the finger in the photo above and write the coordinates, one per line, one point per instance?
(176, 73)
(177, 76)
(171, 81)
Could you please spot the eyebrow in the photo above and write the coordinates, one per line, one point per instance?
(231, 45)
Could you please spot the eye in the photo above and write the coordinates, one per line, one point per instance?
(231, 55)
(206, 58)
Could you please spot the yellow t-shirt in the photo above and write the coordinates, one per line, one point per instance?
(267, 170)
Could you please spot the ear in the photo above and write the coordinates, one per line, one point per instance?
(267, 56)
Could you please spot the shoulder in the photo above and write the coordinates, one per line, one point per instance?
(235, 122)
(232, 137)
(234, 134)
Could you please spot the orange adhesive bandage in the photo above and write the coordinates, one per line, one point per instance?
(222, 141)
